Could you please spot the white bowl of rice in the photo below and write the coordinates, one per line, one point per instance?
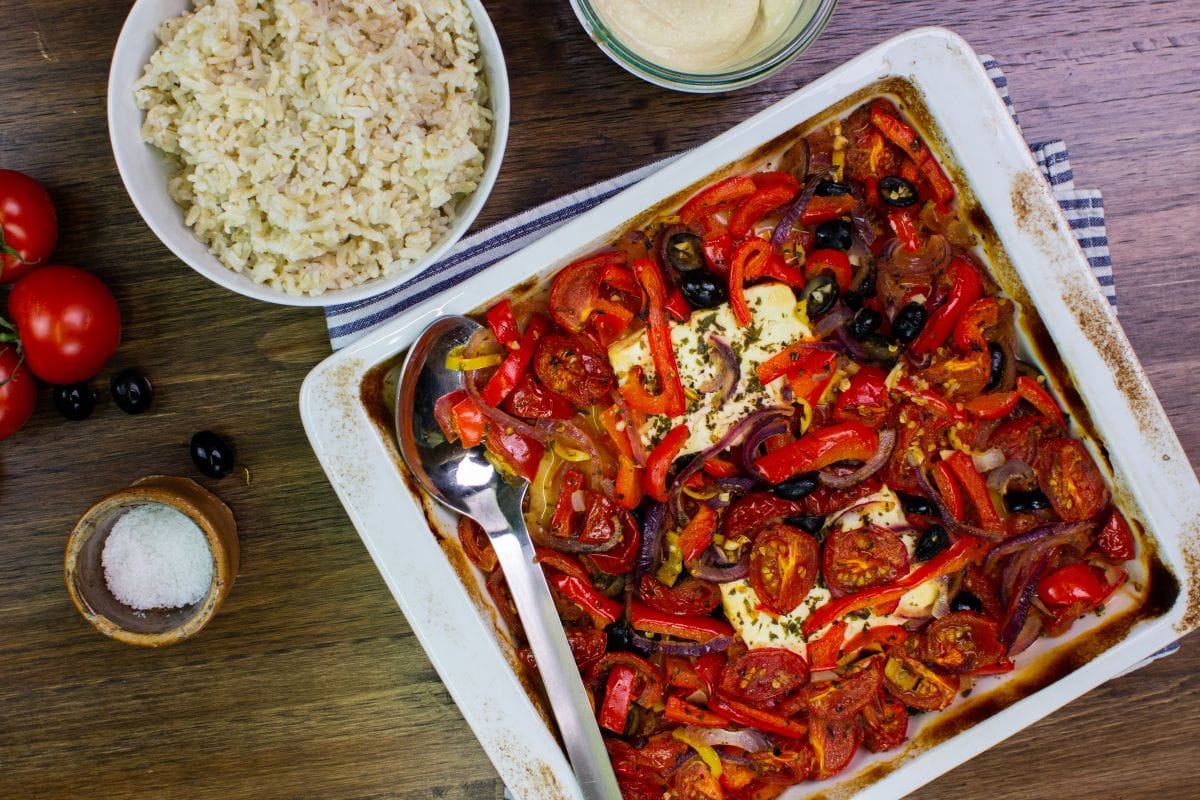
(308, 152)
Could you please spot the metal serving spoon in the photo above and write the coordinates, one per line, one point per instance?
(466, 482)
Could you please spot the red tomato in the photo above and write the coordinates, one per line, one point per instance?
(587, 647)
(620, 559)
(918, 430)
(476, 544)
(834, 743)
(18, 392)
(531, 400)
(1018, 438)
(604, 520)
(28, 225)
(754, 511)
(649, 686)
(1070, 479)
(783, 567)
(793, 762)
(1074, 583)
(963, 641)
(68, 321)
(917, 685)
(693, 781)
(763, 675)
(576, 288)
(1116, 538)
(826, 500)
(884, 722)
(575, 368)
(843, 697)
(688, 596)
(866, 400)
(863, 557)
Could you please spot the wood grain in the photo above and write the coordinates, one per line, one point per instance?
(309, 683)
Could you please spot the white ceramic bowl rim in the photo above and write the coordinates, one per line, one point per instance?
(144, 169)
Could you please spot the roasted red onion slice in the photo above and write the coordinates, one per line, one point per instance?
(743, 428)
(717, 644)
(729, 371)
(787, 223)
(832, 321)
(722, 574)
(748, 739)
(887, 441)
(654, 525)
(932, 256)
(1021, 601)
(1042, 538)
(999, 479)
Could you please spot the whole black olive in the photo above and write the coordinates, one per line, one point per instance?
(75, 402)
(212, 455)
(808, 524)
(998, 360)
(797, 488)
(836, 234)
(620, 637)
(820, 294)
(1019, 502)
(862, 287)
(909, 323)
(966, 601)
(915, 504)
(866, 321)
(897, 192)
(685, 251)
(828, 188)
(131, 391)
(879, 348)
(702, 289)
(932, 541)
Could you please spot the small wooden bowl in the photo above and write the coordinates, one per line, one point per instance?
(156, 627)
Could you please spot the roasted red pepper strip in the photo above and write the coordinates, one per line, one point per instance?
(791, 359)
(564, 509)
(824, 652)
(517, 450)
(966, 289)
(931, 400)
(943, 479)
(965, 551)
(697, 535)
(997, 405)
(503, 323)
(658, 464)
(618, 697)
(719, 467)
(753, 208)
(677, 305)
(935, 176)
(819, 448)
(671, 398)
(824, 209)
(880, 637)
(749, 257)
(679, 710)
(866, 399)
(1032, 392)
(718, 249)
(904, 224)
(515, 364)
(900, 134)
(712, 199)
(810, 382)
(976, 488)
(693, 627)
(469, 422)
(766, 180)
(628, 491)
(775, 267)
(617, 430)
(764, 721)
(834, 262)
(999, 668)
(602, 609)
(969, 336)
(1116, 538)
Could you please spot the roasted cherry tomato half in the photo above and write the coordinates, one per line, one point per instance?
(763, 675)
(963, 641)
(858, 559)
(783, 567)
(574, 368)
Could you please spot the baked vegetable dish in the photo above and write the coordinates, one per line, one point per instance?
(791, 482)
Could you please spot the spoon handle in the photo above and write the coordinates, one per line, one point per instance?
(568, 700)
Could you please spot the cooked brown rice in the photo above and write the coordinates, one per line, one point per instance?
(319, 143)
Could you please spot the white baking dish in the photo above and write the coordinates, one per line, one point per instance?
(350, 432)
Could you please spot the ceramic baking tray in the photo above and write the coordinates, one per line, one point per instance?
(1070, 330)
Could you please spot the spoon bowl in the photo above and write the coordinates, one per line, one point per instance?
(464, 480)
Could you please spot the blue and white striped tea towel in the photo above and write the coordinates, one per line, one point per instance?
(1084, 209)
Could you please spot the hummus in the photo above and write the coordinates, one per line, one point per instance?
(696, 35)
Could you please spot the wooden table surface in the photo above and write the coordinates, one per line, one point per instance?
(309, 683)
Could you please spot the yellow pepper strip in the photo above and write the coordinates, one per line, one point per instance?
(569, 453)
(456, 361)
(706, 752)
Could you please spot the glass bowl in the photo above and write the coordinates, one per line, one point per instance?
(799, 33)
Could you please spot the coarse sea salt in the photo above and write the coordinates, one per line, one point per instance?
(157, 557)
